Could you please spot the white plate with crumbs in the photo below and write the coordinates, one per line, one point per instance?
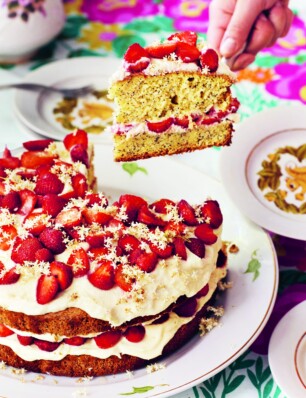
(248, 303)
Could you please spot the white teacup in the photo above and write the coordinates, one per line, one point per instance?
(27, 25)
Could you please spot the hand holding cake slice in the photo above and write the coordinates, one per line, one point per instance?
(172, 97)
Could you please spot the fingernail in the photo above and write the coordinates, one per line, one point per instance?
(228, 47)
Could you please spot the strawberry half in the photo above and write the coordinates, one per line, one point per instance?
(103, 277)
(165, 252)
(34, 159)
(162, 205)
(47, 288)
(8, 161)
(187, 212)
(69, 218)
(159, 127)
(180, 248)
(138, 66)
(26, 250)
(48, 183)
(78, 137)
(212, 213)
(9, 277)
(134, 53)
(186, 52)
(145, 216)
(210, 60)
(11, 201)
(196, 246)
(44, 255)
(79, 154)
(182, 122)
(128, 243)
(135, 334)
(4, 331)
(35, 223)
(186, 37)
(53, 239)
(79, 262)
(75, 341)
(108, 339)
(48, 346)
(122, 280)
(162, 49)
(37, 145)
(206, 234)
(132, 204)
(7, 234)
(93, 216)
(187, 309)
(147, 261)
(25, 340)
(79, 185)
(52, 204)
(63, 273)
(28, 202)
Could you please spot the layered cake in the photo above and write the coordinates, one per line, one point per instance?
(89, 288)
(171, 97)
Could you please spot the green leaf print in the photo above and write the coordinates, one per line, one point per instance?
(84, 52)
(73, 26)
(300, 59)
(234, 384)
(254, 266)
(139, 390)
(157, 24)
(121, 43)
(268, 388)
(132, 168)
(290, 277)
(269, 61)
(206, 393)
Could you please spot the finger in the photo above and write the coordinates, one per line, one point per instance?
(262, 35)
(242, 61)
(278, 17)
(289, 20)
(220, 14)
(239, 27)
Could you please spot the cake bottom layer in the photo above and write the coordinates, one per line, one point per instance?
(146, 145)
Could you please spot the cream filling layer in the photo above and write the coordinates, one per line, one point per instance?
(156, 337)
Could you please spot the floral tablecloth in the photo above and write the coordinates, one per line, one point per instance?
(105, 28)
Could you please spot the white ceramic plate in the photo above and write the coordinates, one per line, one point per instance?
(247, 305)
(35, 109)
(276, 137)
(287, 352)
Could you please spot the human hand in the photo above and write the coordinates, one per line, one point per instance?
(239, 29)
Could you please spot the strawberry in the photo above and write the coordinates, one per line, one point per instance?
(203, 291)
(43, 169)
(162, 205)
(207, 120)
(47, 288)
(132, 205)
(27, 174)
(79, 185)
(11, 201)
(53, 239)
(75, 341)
(234, 105)
(28, 202)
(6, 153)
(210, 60)
(78, 137)
(69, 218)
(97, 253)
(26, 250)
(196, 246)
(8, 161)
(134, 53)
(221, 260)
(37, 145)
(212, 213)
(187, 309)
(103, 277)
(35, 223)
(138, 66)
(52, 204)
(63, 273)
(95, 241)
(108, 339)
(95, 198)
(187, 212)
(180, 248)
(34, 159)
(48, 346)
(177, 227)
(162, 49)
(25, 340)
(165, 252)
(4, 331)
(79, 262)
(116, 225)
(186, 52)
(9, 277)
(44, 255)
(186, 37)
(159, 127)
(147, 261)
(182, 122)
(128, 243)
(124, 281)
(145, 216)
(48, 183)
(99, 217)
(135, 334)
(79, 154)
(7, 234)
(206, 234)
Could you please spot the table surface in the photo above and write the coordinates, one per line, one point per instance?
(89, 32)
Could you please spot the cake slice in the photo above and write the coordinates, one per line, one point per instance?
(171, 97)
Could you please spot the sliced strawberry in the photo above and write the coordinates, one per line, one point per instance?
(162, 206)
(128, 243)
(9, 277)
(210, 60)
(97, 253)
(37, 145)
(134, 255)
(138, 66)
(177, 227)
(117, 226)
(182, 122)
(92, 216)
(234, 106)
(43, 169)
(145, 216)
(147, 261)
(11, 201)
(186, 52)
(25, 340)
(78, 137)
(27, 174)
(186, 37)
(206, 234)
(103, 277)
(95, 241)
(160, 127)
(203, 291)
(187, 309)
(162, 50)
(95, 198)
(196, 246)
(49, 183)
(69, 218)
(48, 346)
(63, 273)
(47, 288)
(108, 339)
(8, 161)
(187, 212)
(34, 159)
(212, 213)
(79, 185)
(134, 53)
(207, 120)
(52, 204)
(44, 255)
(75, 341)
(165, 252)
(7, 234)
(26, 250)
(6, 153)
(79, 154)
(180, 248)
(28, 201)
(53, 239)
(4, 331)
(79, 262)
(135, 334)
(132, 205)
(35, 223)
(124, 281)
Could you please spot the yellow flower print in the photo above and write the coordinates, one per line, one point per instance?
(97, 35)
(73, 7)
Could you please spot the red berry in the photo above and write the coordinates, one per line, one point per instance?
(209, 59)
(203, 291)
(48, 183)
(187, 309)
(52, 204)
(95, 198)
(108, 339)
(147, 261)
(8, 161)
(11, 201)
(212, 213)
(132, 205)
(103, 277)
(28, 202)
(79, 262)
(75, 341)
(93, 216)
(182, 122)
(135, 334)
(134, 53)
(47, 288)
(164, 252)
(7, 234)
(145, 216)
(196, 246)
(37, 145)
(9, 277)
(180, 248)
(206, 234)
(187, 212)
(159, 127)
(25, 340)
(79, 154)
(186, 37)
(26, 250)
(63, 273)
(35, 223)
(53, 239)
(78, 137)
(128, 243)
(162, 206)
(69, 218)
(124, 281)
(79, 185)
(138, 66)
(4, 331)
(186, 52)
(46, 345)
(34, 159)
(44, 255)
(162, 49)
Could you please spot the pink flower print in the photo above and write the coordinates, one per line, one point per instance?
(291, 82)
(188, 14)
(118, 11)
(293, 43)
